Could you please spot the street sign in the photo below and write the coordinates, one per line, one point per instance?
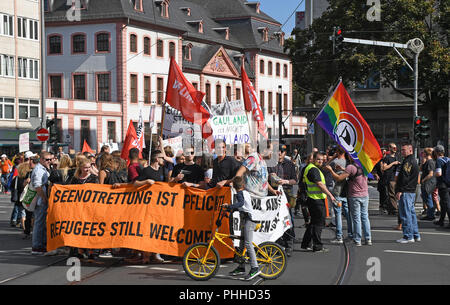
(42, 135)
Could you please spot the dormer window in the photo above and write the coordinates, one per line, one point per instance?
(79, 4)
(225, 31)
(137, 5)
(264, 33)
(254, 5)
(164, 4)
(280, 37)
(199, 24)
(187, 52)
(186, 10)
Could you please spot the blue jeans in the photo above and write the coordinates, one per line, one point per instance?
(17, 213)
(39, 240)
(428, 200)
(338, 211)
(408, 216)
(359, 208)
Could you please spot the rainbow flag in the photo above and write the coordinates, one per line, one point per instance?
(343, 122)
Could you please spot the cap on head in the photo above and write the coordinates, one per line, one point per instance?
(29, 155)
(439, 149)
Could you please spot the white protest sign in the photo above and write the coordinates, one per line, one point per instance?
(176, 144)
(24, 142)
(228, 108)
(273, 214)
(112, 146)
(233, 129)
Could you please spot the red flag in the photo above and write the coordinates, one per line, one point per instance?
(86, 148)
(251, 103)
(131, 141)
(183, 96)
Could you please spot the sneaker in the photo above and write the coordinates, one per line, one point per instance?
(417, 239)
(35, 251)
(237, 271)
(307, 249)
(254, 272)
(357, 243)
(51, 253)
(288, 251)
(405, 241)
(439, 223)
(106, 254)
(323, 250)
(368, 242)
(426, 218)
(337, 241)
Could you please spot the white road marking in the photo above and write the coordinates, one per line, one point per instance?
(420, 253)
(163, 269)
(421, 233)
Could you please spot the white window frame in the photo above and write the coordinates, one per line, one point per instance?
(25, 102)
(10, 24)
(26, 68)
(29, 28)
(8, 68)
(2, 106)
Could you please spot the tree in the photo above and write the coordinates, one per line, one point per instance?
(316, 69)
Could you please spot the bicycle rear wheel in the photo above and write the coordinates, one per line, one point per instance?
(271, 259)
(197, 266)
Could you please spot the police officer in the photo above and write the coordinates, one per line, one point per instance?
(316, 192)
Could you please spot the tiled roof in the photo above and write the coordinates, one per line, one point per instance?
(239, 16)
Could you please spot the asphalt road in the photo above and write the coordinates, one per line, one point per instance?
(384, 263)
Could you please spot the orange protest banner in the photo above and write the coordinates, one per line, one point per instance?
(163, 218)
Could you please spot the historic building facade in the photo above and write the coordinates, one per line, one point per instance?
(108, 60)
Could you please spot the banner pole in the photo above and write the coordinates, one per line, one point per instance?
(163, 114)
(324, 103)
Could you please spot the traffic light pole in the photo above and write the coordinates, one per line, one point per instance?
(415, 45)
(43, 103)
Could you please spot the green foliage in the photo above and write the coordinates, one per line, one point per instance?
(317, 69)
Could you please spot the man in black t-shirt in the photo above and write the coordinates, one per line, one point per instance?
(224, 167)
(152, 173)
(188, 171)
(389, 167)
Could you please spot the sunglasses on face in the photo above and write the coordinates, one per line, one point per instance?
(48, 159)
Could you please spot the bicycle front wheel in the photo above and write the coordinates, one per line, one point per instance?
(271, 259)
(199, 263)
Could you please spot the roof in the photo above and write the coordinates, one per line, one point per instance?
(243, 19)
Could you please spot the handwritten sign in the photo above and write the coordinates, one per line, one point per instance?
(233, 129)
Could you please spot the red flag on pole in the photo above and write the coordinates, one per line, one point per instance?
(86, 147)
(183, 96)
(131, 141)
(251, 102)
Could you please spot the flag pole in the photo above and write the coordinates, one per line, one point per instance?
(324, 103)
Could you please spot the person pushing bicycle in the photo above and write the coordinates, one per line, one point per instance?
(243, 204)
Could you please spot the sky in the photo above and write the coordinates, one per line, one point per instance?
(280, 10)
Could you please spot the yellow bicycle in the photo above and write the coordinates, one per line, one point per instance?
(201, 261)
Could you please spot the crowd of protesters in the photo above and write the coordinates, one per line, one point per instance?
(311, 184)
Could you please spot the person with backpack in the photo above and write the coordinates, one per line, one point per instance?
(340, 191)
(6, 167)
(442, 173)
(358, 201)
(428, 183)
(112, 171)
